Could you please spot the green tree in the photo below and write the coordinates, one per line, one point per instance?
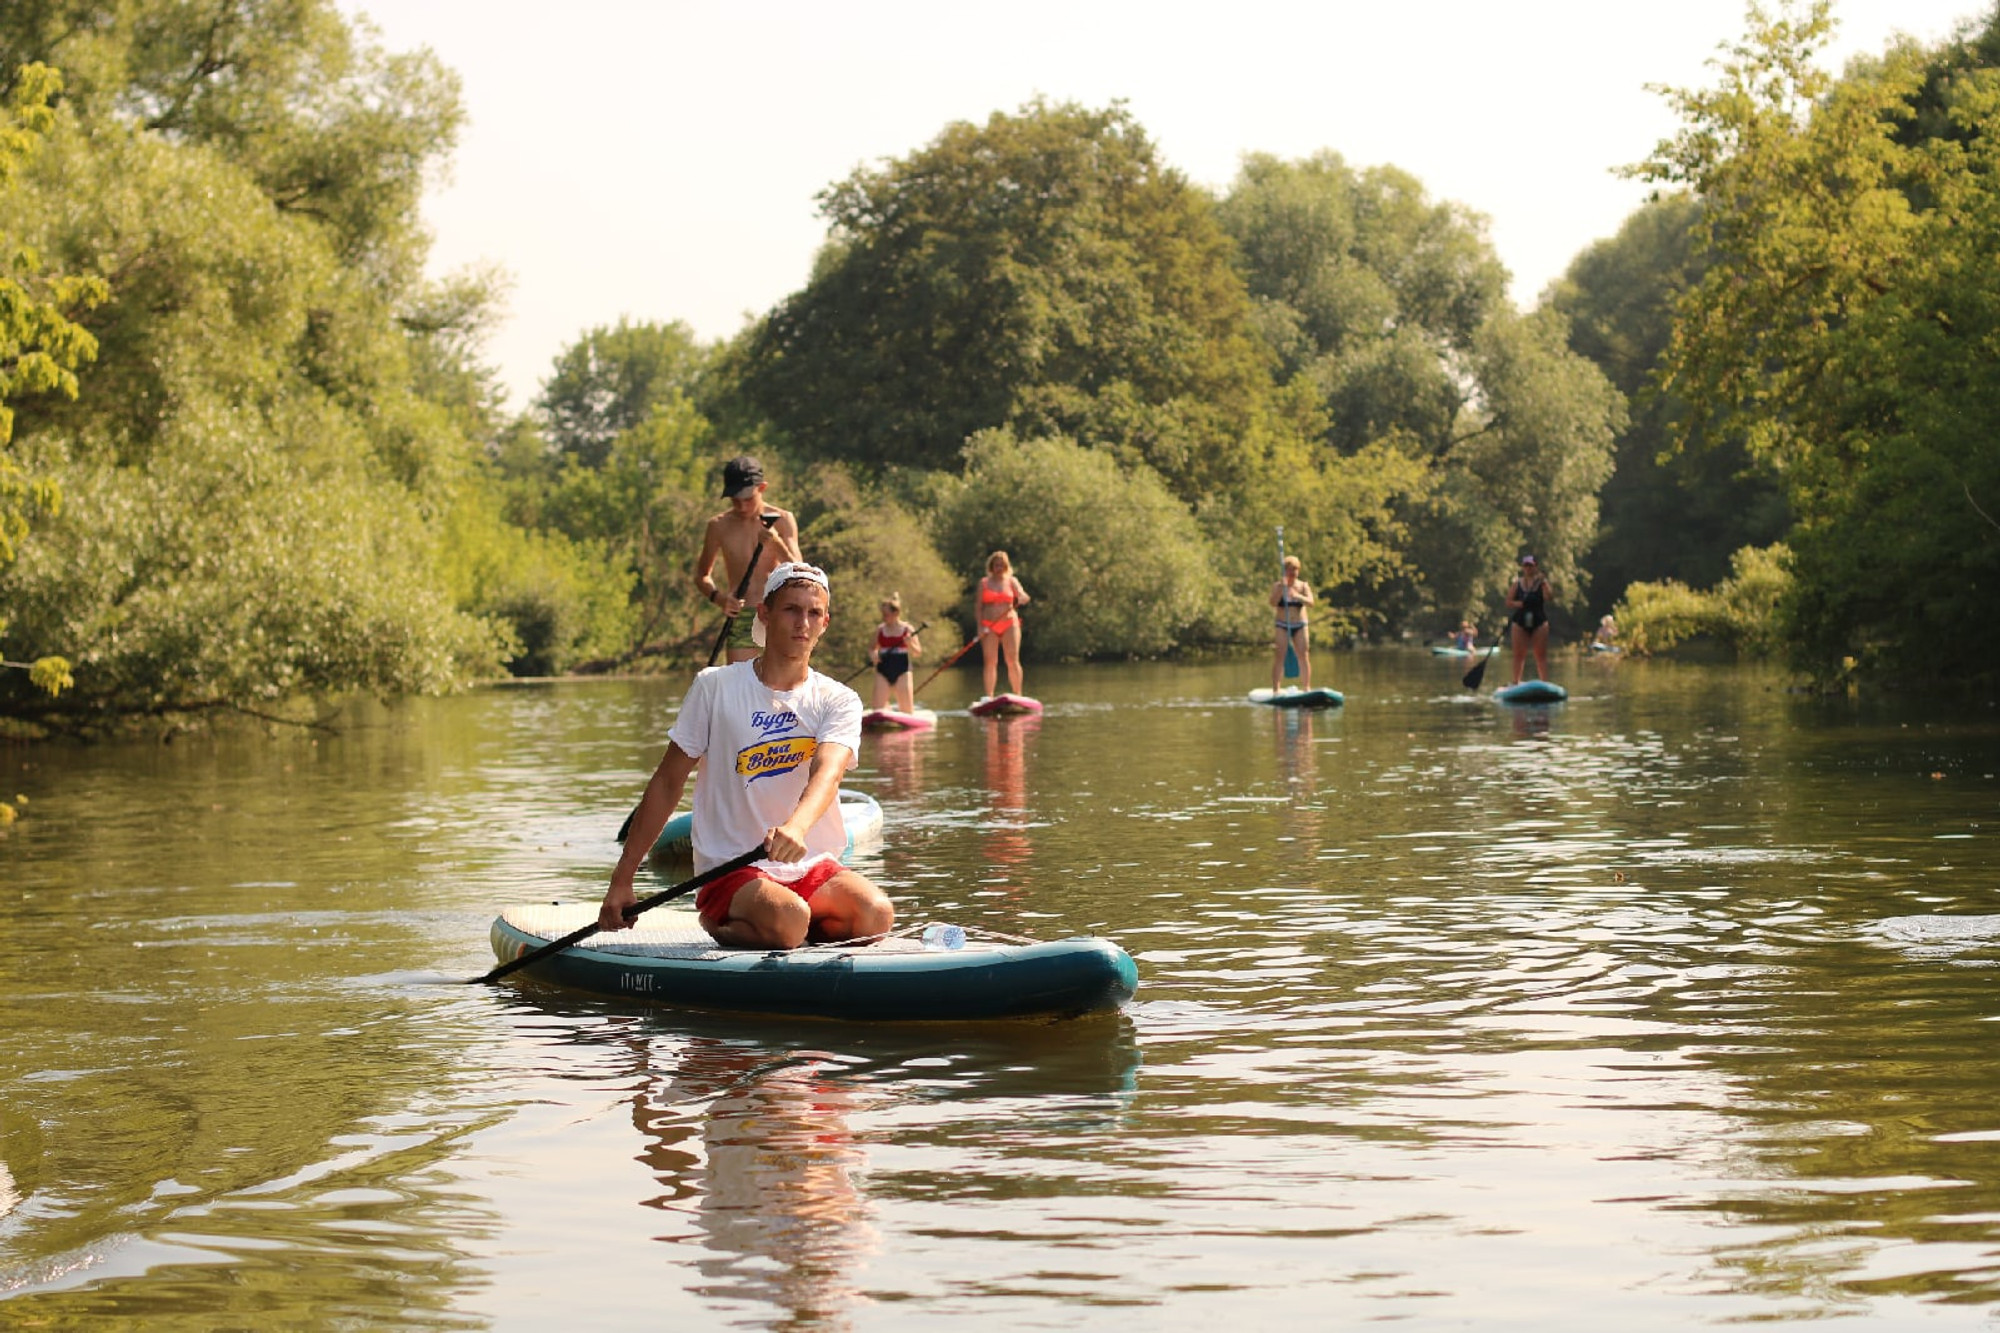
(611, 380)
(872, 544)
(1668, 512)
(276, 425)
(1389, 309)
(1843, 327)
(1043, 272)
(644, 508)
(40, 347)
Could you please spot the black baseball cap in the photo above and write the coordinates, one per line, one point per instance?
(739, 474)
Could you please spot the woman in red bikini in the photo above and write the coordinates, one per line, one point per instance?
(1000, 596)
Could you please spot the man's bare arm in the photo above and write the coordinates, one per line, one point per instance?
(787, 842)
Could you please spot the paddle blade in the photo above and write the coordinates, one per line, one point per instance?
(1478, 672)
(1291, 662)
(626, 827)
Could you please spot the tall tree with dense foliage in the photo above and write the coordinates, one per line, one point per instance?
(255, 475)
(40, 346)
(1844, 327)
(610, 380)
(1389, 308)
(1670, 512)
(1043, 272)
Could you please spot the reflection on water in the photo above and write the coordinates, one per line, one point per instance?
(1009, 742)
(1669, 1005)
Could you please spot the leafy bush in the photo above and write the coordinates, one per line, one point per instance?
(1741, 611)
(178, 586)
(557, 601)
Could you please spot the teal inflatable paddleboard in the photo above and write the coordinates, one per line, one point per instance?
(1532, 692)
(673, 961)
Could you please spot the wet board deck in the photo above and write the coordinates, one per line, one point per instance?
(888, 719)
(1531, 692)
(1006, 705)
(1447, 651)
(1290, 697)
(673, 961)
(861, 813)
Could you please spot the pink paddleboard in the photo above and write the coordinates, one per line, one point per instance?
(1006, 705)
(888, 719)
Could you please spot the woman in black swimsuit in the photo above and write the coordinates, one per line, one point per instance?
(1527, 600)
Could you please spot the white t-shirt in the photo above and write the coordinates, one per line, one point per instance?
(756, 746)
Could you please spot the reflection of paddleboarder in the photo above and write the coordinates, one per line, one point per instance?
(1290, 596)
(739, 536)
(774, 1183)
(1007, 779)
(1527, 598)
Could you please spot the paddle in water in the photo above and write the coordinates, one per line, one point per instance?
(646, 904)
(1478, 672)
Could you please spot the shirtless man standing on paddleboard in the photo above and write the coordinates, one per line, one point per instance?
(735, 535)
(773, 738)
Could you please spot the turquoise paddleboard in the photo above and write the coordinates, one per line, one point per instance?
(667, 958)
(1532, 692)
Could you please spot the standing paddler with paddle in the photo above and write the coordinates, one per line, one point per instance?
(751, 537)
(1290, 596)
(774, 737)
(1528, 604)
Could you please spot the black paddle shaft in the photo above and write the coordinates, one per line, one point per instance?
(645, 904)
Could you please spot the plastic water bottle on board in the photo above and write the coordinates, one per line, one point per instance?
(944, 937)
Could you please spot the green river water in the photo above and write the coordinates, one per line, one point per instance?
(1671, 1005)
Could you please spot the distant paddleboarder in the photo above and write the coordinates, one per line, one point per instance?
(1527, 600)
(1000, 598)
(1290, 596)
(751, 537)
(896, 647)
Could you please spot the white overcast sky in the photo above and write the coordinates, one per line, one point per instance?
(659, 159)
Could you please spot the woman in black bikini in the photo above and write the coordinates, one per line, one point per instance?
(1290, 596)
(1527, 600)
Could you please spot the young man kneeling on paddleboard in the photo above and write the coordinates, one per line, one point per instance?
(776, 737)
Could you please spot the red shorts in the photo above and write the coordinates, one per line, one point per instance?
(712, 902)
